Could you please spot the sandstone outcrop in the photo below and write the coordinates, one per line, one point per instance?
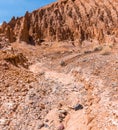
(66, 85)
(72, 20)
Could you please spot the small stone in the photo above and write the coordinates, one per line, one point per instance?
(46, 125)
(61, 117)
(46, 120)
(40, 125)
(60, 105)
(63, 112)
(78, 107)
(61, 127)
(62, 63)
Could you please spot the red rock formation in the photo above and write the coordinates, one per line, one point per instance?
(60, 86)
(68, 20)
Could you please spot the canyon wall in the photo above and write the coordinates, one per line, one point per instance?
(72, 20)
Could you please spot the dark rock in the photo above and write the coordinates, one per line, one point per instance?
(46, 125)
(63, 112)
(78, 107)
(62, 63)
(46, 120)
(40, 125)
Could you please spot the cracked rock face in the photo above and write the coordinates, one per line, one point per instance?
(74, 20)
(70, 81)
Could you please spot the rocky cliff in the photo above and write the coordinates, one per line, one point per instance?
(60, 85)
(72, 20)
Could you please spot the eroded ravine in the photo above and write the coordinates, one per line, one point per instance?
(78, 86)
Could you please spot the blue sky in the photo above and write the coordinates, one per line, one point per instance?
(10, 8)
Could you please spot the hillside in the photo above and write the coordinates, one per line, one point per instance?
(59, 67)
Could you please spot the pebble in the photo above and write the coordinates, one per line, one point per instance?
(40, 125)
(46, 120)
(78, 107)
(46, 125)
(61, 127)
(63, 112)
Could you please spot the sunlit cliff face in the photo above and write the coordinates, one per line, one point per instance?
(68, 81)
(71, 20)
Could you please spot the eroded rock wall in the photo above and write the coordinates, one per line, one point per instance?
(72, 20)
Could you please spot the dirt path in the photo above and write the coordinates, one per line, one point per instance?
(68, 87)
(77, 86)
(82, 95)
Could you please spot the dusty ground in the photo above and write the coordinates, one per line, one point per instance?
(57, 86)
